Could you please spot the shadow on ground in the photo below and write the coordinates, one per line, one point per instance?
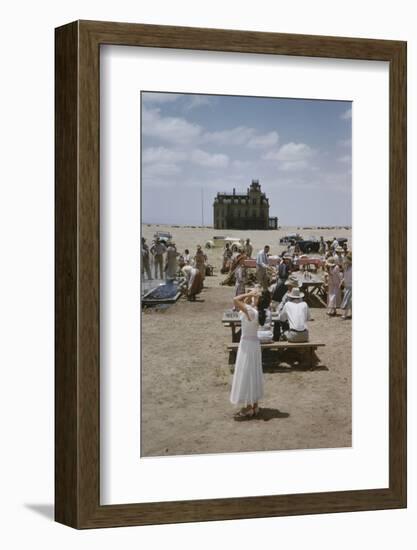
(45, 510)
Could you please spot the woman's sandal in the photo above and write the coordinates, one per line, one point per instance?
(244, 414)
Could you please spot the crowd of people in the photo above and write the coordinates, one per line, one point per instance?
(168, 264)
(292, 314)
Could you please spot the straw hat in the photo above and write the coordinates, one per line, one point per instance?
(292, 281)
(295, 294)
(331, 262)
(339, 249)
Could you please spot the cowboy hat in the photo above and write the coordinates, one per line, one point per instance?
(295, 294)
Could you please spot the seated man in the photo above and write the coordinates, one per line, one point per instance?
(297, 313)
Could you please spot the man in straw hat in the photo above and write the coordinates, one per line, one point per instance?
(297, 313)
(338, 258)
(281, 326)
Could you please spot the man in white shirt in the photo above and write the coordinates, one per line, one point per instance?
(297, 313)
(261, 267)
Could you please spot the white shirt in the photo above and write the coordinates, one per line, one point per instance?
(262, 259)
(297, 314)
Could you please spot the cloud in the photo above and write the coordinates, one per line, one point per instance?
(263, 141)
(160, 169)
(196, 101)
(234, 136)
(345, 142)
(153, 155)
(159, 97)
(346, 115)
(171, 129)
(208, 160)
(291, 156)
(345, 159)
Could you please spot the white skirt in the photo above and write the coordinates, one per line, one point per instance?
(248, 379)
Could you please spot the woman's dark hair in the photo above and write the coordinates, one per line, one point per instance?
(263, 304)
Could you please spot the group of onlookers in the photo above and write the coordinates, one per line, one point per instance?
(169, 263)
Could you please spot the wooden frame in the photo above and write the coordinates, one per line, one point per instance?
(77, 372)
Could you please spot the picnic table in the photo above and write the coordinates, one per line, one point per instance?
(231, 319)
(312, 287)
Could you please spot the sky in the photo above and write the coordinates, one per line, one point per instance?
(193, 146)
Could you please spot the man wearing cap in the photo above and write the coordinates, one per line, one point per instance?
(262, 266)
(297, 313)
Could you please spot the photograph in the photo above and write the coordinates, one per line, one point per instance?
(246, 274)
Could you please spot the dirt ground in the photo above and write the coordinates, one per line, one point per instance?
(186, 379)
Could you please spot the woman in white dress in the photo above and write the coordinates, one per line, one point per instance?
(346, 305)
(248, 383)
(333, 279)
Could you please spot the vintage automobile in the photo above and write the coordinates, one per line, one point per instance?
(164, 236)
(292, 238)
(309, 245)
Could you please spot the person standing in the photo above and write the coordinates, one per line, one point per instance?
(262, 266)
(248, 381)
(296, 312)
(240, 275)
(333, 279)
(346, 305)
(248, 249)
(171, 262)
(227, 259)
(158, 250)
(322, 247)
(200, 261)
(145, 260)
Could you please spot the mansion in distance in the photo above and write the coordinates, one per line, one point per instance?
(243, 211)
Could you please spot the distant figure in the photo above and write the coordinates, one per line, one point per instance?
(248, 249)
(262, 266)
(297, 313)
(171, 262)
(322, 247)
(227, 259)
(334, 244)
(187, 257)
(338, 258)
(145, 260)
(283, 273)
(346, 305)
(333, 278)
(248, 380)
(240, 275)
(200, 259)
(158, 250)
(194, 281)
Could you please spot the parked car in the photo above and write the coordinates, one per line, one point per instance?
(164, 236)
(292, 238)
(309, 245)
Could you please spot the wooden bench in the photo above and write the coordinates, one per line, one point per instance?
(278, 346)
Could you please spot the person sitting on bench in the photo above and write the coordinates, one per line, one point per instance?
(297, 313)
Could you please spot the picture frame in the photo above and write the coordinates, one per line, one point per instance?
(77, 292)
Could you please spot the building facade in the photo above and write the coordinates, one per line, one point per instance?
(243, 211)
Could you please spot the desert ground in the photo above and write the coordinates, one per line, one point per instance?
(186, 378)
